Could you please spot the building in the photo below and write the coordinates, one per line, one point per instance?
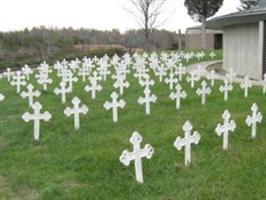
(244, 40)
(214, 38)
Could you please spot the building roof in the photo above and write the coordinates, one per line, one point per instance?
(254, 14)
(197, 30)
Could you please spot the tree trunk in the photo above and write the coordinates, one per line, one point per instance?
(203, 33)
(179, 40)
(146, 26)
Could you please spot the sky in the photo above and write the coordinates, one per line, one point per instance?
(96, 14)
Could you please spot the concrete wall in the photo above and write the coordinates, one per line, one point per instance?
(242, 50)
(193, 41)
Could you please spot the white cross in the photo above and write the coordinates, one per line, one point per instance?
(76, 111)
(198, 56)
(203, 92)
(114, 104)
(93, 88)
(147, 99)
(18, 81)
(140, 73)
(37, 116)
(200, 71)
(178, 95)
(147, 82)
(211, 76)
(187, 57)
(263, 83)
(30, 94)
(63, 90)
(180, 71)
(137, 154)
(63, 72)
(224, 129)
(2, 97)
(8, 73)
(187, 141)
(245, 85)
(121, 83)
(227, 87)
(27, 71)
(202, 54)
(171, 81)
(103, 69)
(193, 78)
(231, 75)
(70, 79)
(212, 55)
(253, 119)
(84, 72)
(95, 78)
(74, 65)
(43, 79)
(160, 72)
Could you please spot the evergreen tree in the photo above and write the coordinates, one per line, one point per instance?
(245, 5)
(200, 11)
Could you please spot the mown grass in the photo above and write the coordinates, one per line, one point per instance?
(76, 165)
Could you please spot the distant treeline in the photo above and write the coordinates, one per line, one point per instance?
(50, 44)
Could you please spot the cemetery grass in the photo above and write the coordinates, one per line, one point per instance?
(68, 164)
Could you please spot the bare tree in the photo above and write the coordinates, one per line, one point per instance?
(146, 13)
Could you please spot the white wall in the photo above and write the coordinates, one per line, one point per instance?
(242, 50)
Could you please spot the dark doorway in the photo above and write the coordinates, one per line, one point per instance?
(264, 50)
(218, 41)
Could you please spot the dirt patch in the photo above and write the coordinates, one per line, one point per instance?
(71, 184)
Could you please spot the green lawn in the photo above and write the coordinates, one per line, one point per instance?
(78, 165)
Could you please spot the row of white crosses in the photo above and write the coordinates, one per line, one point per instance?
(230, 125)
(137, 154)
(147, 99)
(37, 116)
(190, 138)
(142, 71)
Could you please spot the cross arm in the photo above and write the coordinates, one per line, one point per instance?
(46, 116)
(27, 117)
(219, 129)
(68, 111)
(122, 103)
(23, 94)
(84, 109)
(126, 157)
(196, 137)
(147, 151)
(179, 143)
(107, 105)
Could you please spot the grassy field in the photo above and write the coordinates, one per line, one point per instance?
(78, 165)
